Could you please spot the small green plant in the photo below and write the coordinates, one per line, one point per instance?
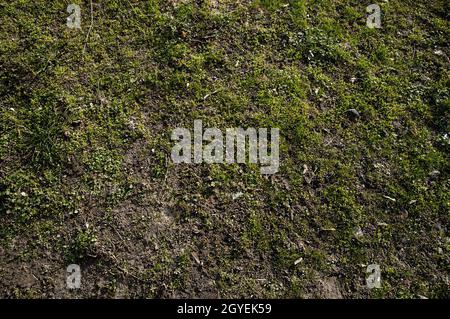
(81, 246)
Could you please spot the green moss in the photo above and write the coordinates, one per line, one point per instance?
(90, 132)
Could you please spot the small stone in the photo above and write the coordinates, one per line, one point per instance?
(434, 173)
(237, 195)
(438, 226)
(359, 233)
(353, 113)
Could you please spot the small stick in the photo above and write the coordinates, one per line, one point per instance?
(90, 28)
(209, 94)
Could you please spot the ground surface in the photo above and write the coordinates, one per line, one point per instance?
(86, 178)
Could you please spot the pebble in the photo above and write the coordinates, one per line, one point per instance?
(353, 113)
